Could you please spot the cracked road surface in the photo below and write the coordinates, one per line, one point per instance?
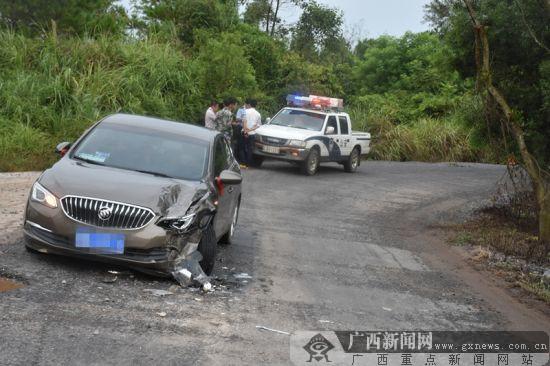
(335, 251)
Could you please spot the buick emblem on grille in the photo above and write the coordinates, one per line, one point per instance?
(105, 213)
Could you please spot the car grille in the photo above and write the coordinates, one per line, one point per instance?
(274, 141)
(113, 214)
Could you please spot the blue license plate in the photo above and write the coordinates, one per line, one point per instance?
(106, 243)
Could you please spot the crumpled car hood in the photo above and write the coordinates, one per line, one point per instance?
(165, 196)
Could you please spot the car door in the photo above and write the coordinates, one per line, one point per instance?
(333, 139)
(233, 191)
(344, 140)
(222, 161)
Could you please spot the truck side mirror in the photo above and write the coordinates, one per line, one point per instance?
(330, 130)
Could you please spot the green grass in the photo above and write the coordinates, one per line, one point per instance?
(536, 288)
(462, 239)
(52, 89)
(451, 137)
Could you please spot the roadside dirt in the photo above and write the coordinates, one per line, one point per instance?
(14, 190)
(520, 311)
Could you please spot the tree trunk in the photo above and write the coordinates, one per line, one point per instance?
(544, 221)
(268, 17)
(541, 184)
(274, 23)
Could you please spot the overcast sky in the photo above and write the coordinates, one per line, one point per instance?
(372, 17)
(375, 17)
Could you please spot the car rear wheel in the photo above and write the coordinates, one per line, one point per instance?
(228, 237)
(311, 165)
(352, 163)
(207, 247)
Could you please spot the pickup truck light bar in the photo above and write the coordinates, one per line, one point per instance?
(314, 102)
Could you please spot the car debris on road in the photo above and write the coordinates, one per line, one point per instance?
(261, 328)
(158, 293)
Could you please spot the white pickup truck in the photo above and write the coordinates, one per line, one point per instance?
(309, 137)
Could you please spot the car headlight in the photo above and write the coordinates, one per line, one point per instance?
(182, 223)
(297, 143)
(187, 223)
(42, 195)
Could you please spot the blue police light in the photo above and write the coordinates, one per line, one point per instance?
(298, 100)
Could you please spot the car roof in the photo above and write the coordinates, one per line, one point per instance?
(158, 124)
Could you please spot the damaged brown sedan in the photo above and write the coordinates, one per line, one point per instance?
(152, 194)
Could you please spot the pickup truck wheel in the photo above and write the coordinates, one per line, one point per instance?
(352, 163)
(257, 161)
(311, 164)
(207, 247)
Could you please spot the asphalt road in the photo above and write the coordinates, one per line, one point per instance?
(332, 252)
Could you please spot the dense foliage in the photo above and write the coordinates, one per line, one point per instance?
(415, 92)
(519, 35)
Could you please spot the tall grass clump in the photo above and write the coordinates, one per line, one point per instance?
(426, 139)
(453, 136)
(52, 89)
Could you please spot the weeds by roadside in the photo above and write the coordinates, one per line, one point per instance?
(504, 237)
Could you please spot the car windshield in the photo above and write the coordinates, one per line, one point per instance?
(144, 150)
(299, 119)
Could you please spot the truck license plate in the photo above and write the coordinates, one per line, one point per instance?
(271, 149)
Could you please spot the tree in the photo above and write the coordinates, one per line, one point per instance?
(70, 16)
(414, 69)
(222, 69)
(265, 13)
(257, 13)
(189, 16)
(318, 33)
(539, 177)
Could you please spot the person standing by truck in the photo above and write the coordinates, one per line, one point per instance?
(237, 139)
(224, 118)
(210, 116)
(252, 121)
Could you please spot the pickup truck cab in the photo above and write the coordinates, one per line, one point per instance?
(308, 136)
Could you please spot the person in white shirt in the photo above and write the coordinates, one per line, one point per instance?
(251, 122)
(210, 116)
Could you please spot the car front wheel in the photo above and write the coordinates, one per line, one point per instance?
(207, 247)
(257, 161)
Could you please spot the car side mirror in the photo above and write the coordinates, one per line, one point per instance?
(330, 130)
(230, 177)
(62, 148)
(267, 120)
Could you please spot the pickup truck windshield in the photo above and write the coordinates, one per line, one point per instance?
(299, 119)
(144, 150)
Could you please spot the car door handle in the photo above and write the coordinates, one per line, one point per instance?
(230, 189)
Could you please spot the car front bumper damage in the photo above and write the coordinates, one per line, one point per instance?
(153, 250)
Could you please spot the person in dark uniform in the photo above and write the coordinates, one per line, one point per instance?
(237, 138)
